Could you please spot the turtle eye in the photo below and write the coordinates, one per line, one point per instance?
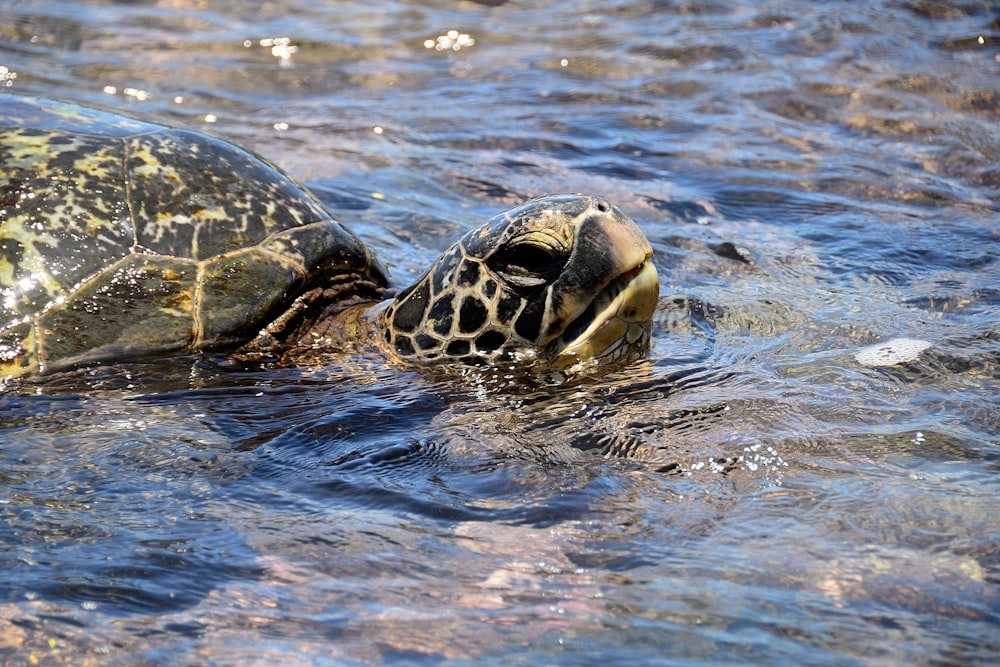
(528, 264)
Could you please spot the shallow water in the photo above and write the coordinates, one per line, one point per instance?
(814, 178)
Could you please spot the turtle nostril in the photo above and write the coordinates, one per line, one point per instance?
(602, 206)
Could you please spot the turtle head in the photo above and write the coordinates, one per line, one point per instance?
(556, 281)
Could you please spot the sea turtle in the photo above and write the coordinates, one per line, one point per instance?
(121, 238)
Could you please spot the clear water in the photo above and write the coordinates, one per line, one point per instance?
(815, 177)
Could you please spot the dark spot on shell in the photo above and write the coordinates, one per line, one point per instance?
(425, 342)
(529, 323)
(12, 252)
(507, 308)
(11, 191)
(458, 348)
(404, 346)
(411, 307)
(469, 275)
(490, 341)
(55, 139)
(441, 314)
(489, 288)
(441, 275)
(472, 315)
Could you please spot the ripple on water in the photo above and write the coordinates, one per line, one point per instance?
(814, 180)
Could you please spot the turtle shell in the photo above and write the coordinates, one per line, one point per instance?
(121, 238)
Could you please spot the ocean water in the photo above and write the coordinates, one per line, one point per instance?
(766, 488)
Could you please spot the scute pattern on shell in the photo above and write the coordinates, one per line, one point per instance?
(119, 237)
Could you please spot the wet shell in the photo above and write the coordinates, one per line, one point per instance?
(120, 238)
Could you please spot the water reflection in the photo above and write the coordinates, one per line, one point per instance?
(814, 180)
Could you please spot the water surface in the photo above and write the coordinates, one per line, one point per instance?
(814, 177)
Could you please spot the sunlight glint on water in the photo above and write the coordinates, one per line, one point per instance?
(783, 481)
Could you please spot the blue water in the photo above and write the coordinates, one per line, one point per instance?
(814, 178)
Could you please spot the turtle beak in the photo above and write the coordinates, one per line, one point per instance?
(619, 274)
(621, 322)
(622, 319)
